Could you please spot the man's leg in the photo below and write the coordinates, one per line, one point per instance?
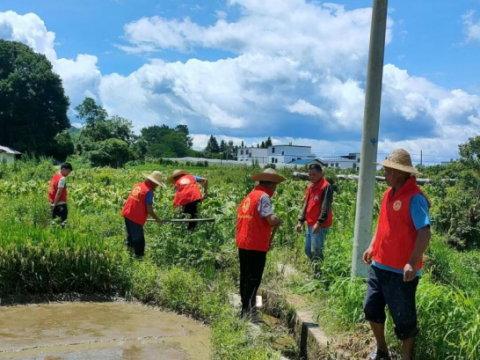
(192, 210)
(260, 258)
(129, 237)
(318, 243)
(408, 348)
(400, 298)
(243, 258)
(138, 239)
(374, 307)
(308, 242)
(64, 215)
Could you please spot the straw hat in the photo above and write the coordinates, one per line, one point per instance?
(269, 175)
(400, 160)
(156, 177)
(171, 179)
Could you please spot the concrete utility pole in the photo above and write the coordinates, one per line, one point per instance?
(371, 123)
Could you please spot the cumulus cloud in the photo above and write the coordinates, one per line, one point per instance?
(472, 27)
(303, 107)
(80, 76)
(295, 71)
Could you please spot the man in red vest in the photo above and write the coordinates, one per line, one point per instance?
(317, 212)
(57, 195)
(188, 194)
(254, 227)
(136, 210)
(395, 253)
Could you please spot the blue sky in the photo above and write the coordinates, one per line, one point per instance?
(294, 70)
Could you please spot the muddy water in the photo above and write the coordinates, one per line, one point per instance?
(107, 331)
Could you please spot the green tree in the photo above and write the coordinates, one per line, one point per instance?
(63, 145)
(33, 105)
(268, 142)
(212, 145)
(111, 152)
(163, 141)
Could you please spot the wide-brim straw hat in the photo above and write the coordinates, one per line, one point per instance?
(268, 175)
(176, 173)
(400, 160)
(156, 177)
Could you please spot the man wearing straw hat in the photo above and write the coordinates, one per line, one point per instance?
(396, 252)
(187, 193)
(136, 210)
(255, 221)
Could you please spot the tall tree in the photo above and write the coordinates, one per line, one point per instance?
(212, 145)
(268, 142)
(33, 105)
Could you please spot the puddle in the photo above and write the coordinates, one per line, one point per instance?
(81, 331)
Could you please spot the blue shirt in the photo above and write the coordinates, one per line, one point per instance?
(149, 198)
(197, 179)
(420, 217)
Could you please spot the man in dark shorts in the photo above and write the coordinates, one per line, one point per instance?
(57, 195)
(396, 252)
(136, 210)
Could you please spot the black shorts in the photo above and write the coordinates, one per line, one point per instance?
(60, 212)
(387, 288)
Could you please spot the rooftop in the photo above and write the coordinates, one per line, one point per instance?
(4, 149)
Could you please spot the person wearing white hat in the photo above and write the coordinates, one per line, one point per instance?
(255, 220)
(187, 193)
(396, 252)
(138, 207)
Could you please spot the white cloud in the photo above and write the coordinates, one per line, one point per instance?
(472, 27)
(80, 76)
(296, 71)
(303, 107)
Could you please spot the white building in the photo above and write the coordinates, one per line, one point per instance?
(350, 161)
(8, 155)
(286, 154)
(252, 154)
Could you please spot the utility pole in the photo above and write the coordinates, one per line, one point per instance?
(421, 157)
(371, 124)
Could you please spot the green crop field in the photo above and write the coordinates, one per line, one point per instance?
(182, 272)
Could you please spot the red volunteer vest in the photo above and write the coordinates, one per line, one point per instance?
(53, 188)
(315, 203)
(396, 234)
(253, 232)
(135, 208)
(187, 191)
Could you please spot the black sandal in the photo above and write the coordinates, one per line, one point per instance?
(378, 355)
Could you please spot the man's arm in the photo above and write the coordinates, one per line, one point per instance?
(419, 211)
(152, 214)
(368, 254)
(204, 181)
(326, 204)
(266, 211)
(58, 195)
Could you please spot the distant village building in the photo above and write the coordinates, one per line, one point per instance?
(287, 154)
(8, 155)
(308, 162)
(252, 154)
(350, 161)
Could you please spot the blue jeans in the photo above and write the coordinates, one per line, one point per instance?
(314, 243)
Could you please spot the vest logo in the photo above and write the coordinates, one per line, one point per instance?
(136, 191)
(246, 205)
(397, 205)
(184, 181)
(316, 198)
